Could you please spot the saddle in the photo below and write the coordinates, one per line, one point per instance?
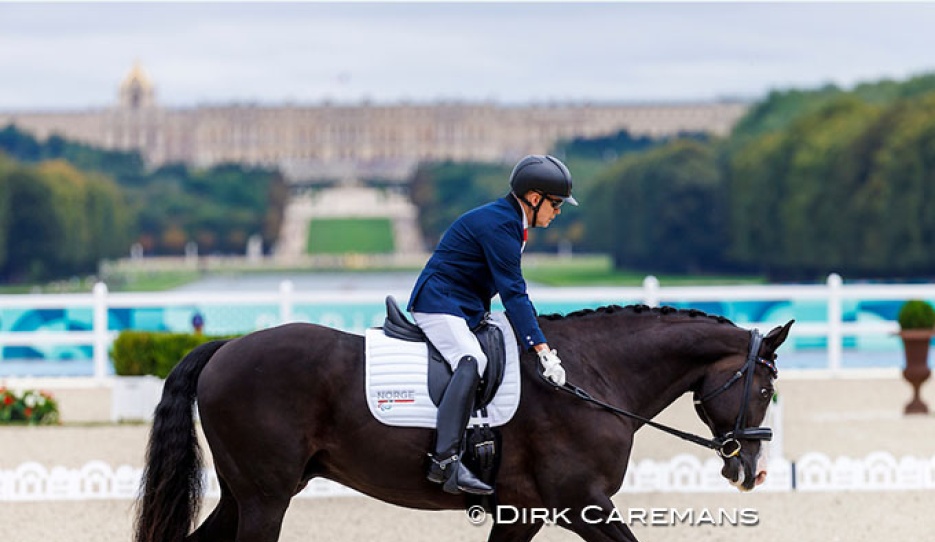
(398, 326)
(483, 441)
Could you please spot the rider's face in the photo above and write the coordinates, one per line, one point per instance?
(550, 208)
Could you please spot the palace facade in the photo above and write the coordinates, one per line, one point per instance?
(334, 142)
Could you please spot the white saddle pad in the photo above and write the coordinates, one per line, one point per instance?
(396, 382)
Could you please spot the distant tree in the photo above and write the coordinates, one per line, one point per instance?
(603, 148)
(225, 204)
(58, 221)
(19, 145)
(444, 191)
(789, 193)
(894, 200)
(666, 209)
(33, 229)
(7, 166)
(779, 110)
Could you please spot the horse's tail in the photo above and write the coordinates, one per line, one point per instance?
(172, 479)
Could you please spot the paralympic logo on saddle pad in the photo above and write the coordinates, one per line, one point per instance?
(389, 398)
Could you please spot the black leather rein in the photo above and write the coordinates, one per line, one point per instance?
(726, 445)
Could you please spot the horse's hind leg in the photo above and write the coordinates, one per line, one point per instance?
(261, 518)
(221, 524)
(600, 522)
(513, 532)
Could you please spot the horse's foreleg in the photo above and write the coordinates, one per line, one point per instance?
(513, 532)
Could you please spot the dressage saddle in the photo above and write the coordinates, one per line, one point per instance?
(398, 326)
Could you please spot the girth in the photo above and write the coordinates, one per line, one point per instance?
(398, 326)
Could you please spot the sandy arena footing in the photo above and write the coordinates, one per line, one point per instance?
(835, 416)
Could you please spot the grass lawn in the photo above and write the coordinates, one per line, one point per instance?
(153, 281)
(599, 271)
(350, 235)
(585, 270)
(145, 281)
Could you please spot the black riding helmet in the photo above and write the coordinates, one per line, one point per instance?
(542, 173)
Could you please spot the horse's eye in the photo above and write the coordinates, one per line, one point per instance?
(766, 393)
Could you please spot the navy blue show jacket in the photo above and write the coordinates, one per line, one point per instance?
(477, 258)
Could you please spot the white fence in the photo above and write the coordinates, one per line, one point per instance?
(833, 294)
(813, 472)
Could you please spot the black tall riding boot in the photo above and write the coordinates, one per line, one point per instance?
(454, 412)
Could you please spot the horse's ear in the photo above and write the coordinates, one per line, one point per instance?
(777, 336)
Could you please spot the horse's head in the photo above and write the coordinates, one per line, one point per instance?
(732, 400)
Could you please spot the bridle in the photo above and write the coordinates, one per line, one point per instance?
(726, 445)
(730, 441)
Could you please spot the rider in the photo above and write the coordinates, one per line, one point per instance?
(477, 258)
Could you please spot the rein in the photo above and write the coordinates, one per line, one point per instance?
(714, 444)
(726, 445)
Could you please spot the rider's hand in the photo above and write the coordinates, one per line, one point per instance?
(552, 366)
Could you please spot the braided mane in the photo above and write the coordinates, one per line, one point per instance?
(638, 309)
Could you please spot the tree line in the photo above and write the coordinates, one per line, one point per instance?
(807, 183)
(56, 220)
(65, 206)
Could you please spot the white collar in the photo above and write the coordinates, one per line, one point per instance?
(522, 211)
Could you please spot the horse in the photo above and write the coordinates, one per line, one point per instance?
(283, 405)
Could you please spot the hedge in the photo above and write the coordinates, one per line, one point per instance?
(138, 353)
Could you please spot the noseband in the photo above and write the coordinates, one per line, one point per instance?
(730, 441)
(726, 445)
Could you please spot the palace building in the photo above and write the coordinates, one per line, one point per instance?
(328, 141)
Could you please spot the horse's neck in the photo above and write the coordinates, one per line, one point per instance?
(653, 393)
(641, 366)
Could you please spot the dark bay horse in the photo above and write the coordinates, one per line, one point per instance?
(284, 405)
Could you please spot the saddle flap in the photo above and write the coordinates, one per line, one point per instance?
(491, 342)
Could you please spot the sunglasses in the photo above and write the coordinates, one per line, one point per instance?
(556, 202)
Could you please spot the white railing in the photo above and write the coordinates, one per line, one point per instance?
(813, 472)
(832, 294)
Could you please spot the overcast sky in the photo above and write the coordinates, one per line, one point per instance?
(74, 55)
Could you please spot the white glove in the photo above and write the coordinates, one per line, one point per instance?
(552, 366)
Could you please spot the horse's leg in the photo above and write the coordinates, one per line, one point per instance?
(262, 473)
(261, 518)
(513, 532)
(221, 524)
(262, 490)
(600, 522)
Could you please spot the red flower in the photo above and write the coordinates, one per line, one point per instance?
(7, 399)
(27, 412)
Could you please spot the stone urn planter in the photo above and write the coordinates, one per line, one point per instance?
(134, 398)
(917, 323)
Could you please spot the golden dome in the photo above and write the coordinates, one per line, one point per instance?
(136, 90)
(137, 78)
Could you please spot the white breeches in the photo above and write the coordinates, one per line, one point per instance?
(452, 337)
